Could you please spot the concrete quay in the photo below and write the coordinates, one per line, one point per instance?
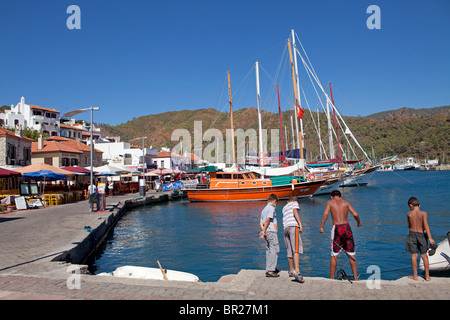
(42, 255)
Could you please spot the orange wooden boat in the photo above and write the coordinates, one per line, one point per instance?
(246, 186)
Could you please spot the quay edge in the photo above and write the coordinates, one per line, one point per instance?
(86, 244)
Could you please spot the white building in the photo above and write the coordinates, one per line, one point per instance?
(121, 153)
(166, 159)
(25, 115)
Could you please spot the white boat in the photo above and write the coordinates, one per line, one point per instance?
(359, 177)
(440, 260)
(150, 273)
(330, 185)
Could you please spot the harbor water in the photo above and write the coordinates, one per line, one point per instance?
(215, 239)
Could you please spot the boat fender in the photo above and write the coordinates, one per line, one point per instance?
(292, 185)
(312, 177)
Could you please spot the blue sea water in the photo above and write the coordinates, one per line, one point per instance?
(214, 239)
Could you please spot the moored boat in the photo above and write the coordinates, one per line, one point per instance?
(246, 186)
(440, 260)
(151, 273)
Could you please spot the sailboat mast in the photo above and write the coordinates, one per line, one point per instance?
(231, 113)
(258, 96)
(330, 132)
(297, 87)
(336, 125)
(283, 157)
(296, 99)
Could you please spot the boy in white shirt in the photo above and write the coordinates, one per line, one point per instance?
(292, 229)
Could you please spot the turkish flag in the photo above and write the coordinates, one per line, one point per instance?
(300, 111)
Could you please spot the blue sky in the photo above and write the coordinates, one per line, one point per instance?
(136, 57)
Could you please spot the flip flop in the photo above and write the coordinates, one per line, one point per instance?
(272, 274)
(432, 251)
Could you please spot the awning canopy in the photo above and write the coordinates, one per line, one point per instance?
(4, 173)
(43, 166)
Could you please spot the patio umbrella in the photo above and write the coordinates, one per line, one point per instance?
(80, 171)
(43, 166)
(43, 175)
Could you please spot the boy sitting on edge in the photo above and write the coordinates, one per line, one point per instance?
(268, 224)
(417, 223)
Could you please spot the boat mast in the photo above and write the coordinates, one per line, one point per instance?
(330, 133)
(231, 113)
(336, 125)
(283, 156)
(296, 100)
(258, 96)
(298, 89)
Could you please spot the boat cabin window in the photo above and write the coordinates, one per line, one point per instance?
(223, 176)
(240, 176)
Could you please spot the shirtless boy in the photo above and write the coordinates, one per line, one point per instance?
(341, 233)
(417, 223)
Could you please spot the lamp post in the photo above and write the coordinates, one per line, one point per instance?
(142, 183)
(75, 112)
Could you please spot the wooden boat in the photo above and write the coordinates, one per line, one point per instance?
(151, 273)
(440, 260)
(246, 186)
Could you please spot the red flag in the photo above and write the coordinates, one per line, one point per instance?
(300, 111)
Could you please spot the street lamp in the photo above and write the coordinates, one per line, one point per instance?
(142, 183)
(75, 112)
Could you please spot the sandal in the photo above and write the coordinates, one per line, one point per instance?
(298, 277)
(291, 274)
(272, 274)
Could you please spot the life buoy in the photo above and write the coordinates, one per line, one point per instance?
(311, 177)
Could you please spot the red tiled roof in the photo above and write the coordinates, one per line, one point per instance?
(53, 146)
(41, 108)
(62, 125)
(4, 132)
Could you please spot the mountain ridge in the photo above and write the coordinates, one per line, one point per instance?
(421, 133)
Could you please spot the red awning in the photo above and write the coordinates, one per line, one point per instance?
(8, 173)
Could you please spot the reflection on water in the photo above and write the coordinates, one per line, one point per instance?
(214, 239)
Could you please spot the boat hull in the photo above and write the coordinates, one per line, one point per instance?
(151, 273)
(330, 185)
(359, 178)
(437, 261)
(301, 190)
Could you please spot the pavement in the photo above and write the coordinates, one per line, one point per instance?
(31, 241)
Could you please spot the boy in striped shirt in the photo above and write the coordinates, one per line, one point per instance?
(292, 229)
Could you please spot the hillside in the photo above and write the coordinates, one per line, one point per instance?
(420, 133)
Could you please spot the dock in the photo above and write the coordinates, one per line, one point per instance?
(43, 251)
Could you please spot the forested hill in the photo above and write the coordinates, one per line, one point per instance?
(419, 133)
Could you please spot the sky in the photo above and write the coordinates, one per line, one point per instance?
(139, 57)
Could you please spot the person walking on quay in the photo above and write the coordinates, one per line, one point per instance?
(417, 242)
(269, 231)
(292, 229)
(341, 233)
(93, 196)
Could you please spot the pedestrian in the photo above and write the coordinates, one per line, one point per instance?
(292, 229)
(93, 196)
(269, 231)
(417, 239)
(111, 188)
(341, 232)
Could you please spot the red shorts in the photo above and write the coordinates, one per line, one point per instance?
(342, 236)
